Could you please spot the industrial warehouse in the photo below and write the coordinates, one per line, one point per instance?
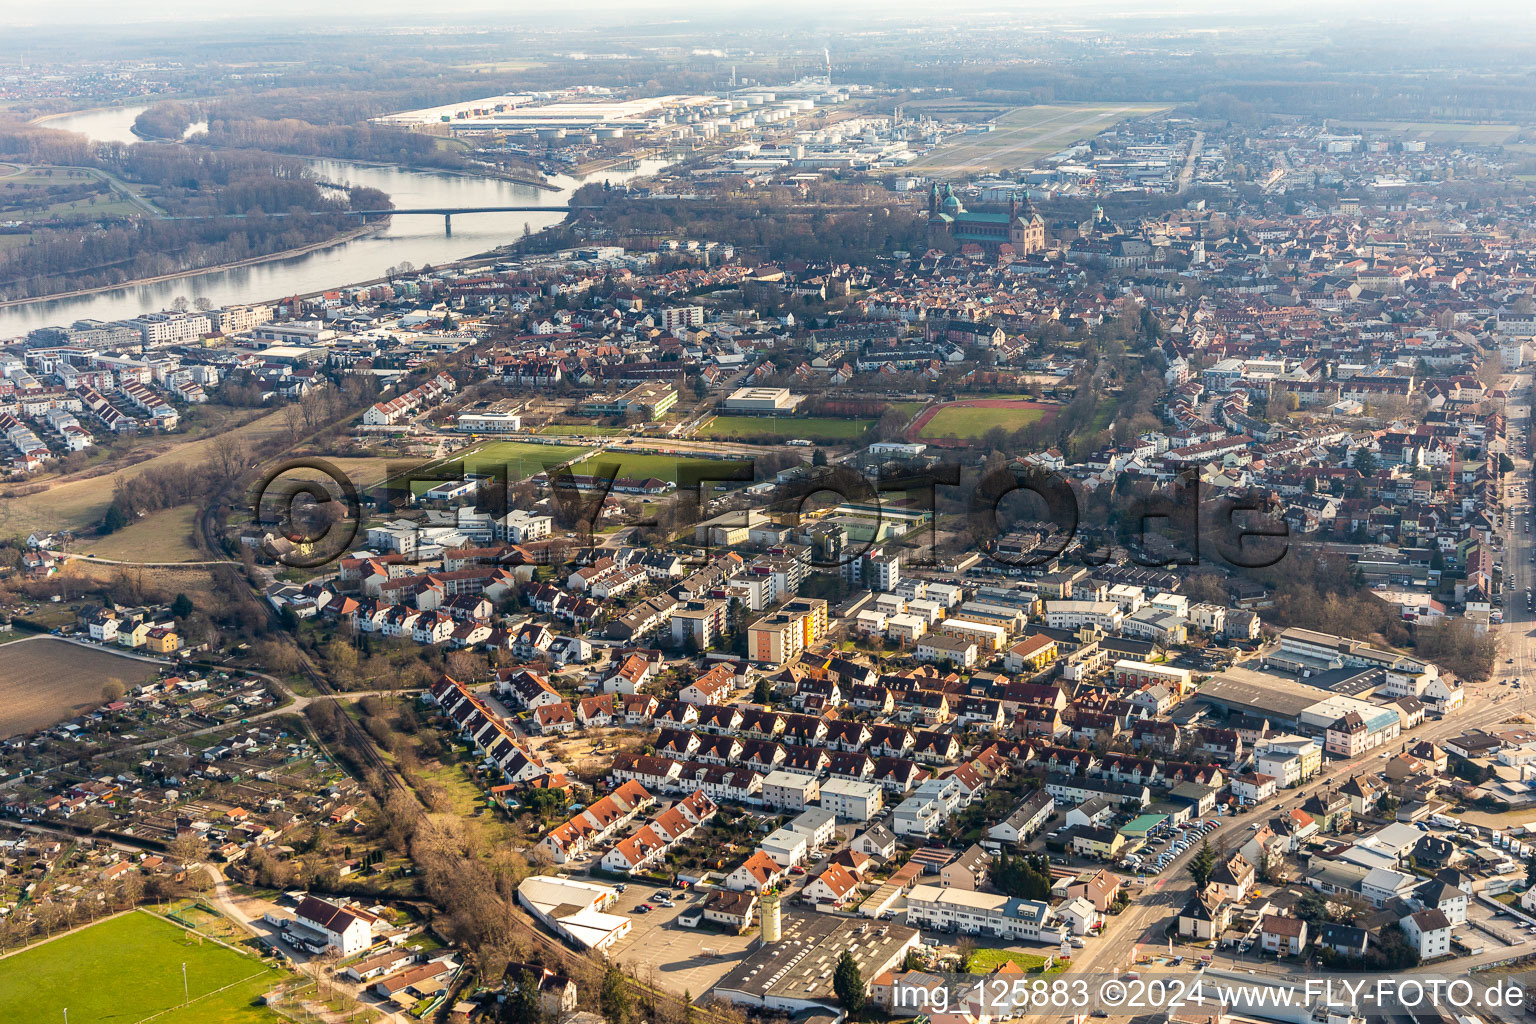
(1296, 706)
(793, 972)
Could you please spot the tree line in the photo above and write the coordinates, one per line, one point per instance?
(234, 191)
(342, 142)
(841, 226)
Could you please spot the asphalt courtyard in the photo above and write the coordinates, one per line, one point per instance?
(660, 948)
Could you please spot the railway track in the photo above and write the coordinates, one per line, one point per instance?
(647, 995)
(360, 744)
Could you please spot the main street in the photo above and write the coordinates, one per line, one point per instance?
(1142, 924)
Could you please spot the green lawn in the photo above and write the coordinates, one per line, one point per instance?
(662, 467)
(582, 430)
(983, 961)
(522, 459)
(972, 422)
(128, 968)
(812, 428)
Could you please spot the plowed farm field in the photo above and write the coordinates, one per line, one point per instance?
(43, 681)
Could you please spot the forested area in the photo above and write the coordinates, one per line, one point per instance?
(167, 120)
(774, 221)
(251, 203)
(342, 142)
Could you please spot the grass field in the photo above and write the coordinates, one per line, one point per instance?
(812, 428)
(662, 467)
(80, 502)
(984, 961)
(1449, 132)
(521, 459)
(37, 195)
(524, 459)
(1021, 136)
(44, 680)
(582, 430)
(163, 536)
(129, 968)
(908, 409)
(968, 421)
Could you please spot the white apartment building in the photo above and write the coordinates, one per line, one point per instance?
(1106, 615)
(852, 799)
(674, 318)
(817, 824)
(520, 527)
(1289, 759)
(968, 912)
(239, 319)
(925, 811)
(906, 628)
(170, 328)
(794, 791)
(786, 846)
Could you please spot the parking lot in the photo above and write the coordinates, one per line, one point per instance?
(658, 945)
(1505, 928)
(1166, 845)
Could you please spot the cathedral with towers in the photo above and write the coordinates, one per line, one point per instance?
(1021, 228)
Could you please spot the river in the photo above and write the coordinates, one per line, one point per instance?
(418, 240)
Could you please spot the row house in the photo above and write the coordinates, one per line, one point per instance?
(651, 843)
(573, 839)
(475, 720)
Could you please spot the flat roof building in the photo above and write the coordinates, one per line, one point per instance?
(795, 973)
(574, 910)
(762, 401)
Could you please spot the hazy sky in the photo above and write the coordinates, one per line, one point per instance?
(30, 13)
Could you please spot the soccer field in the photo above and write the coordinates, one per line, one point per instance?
(968, 421)
(1021, 136)
(662, 467)
(767, 428)
(521, 459)
(129, 968)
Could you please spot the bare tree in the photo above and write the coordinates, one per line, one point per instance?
(293, 421)
(228, 457)
(186, 849)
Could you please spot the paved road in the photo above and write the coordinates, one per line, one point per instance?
(151, 565)
(1187, 175)
(1487, 703)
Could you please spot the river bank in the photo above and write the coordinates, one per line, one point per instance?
(179, 275)
(420, 241)
(42, 119)
(137, 136)
(458, 172)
